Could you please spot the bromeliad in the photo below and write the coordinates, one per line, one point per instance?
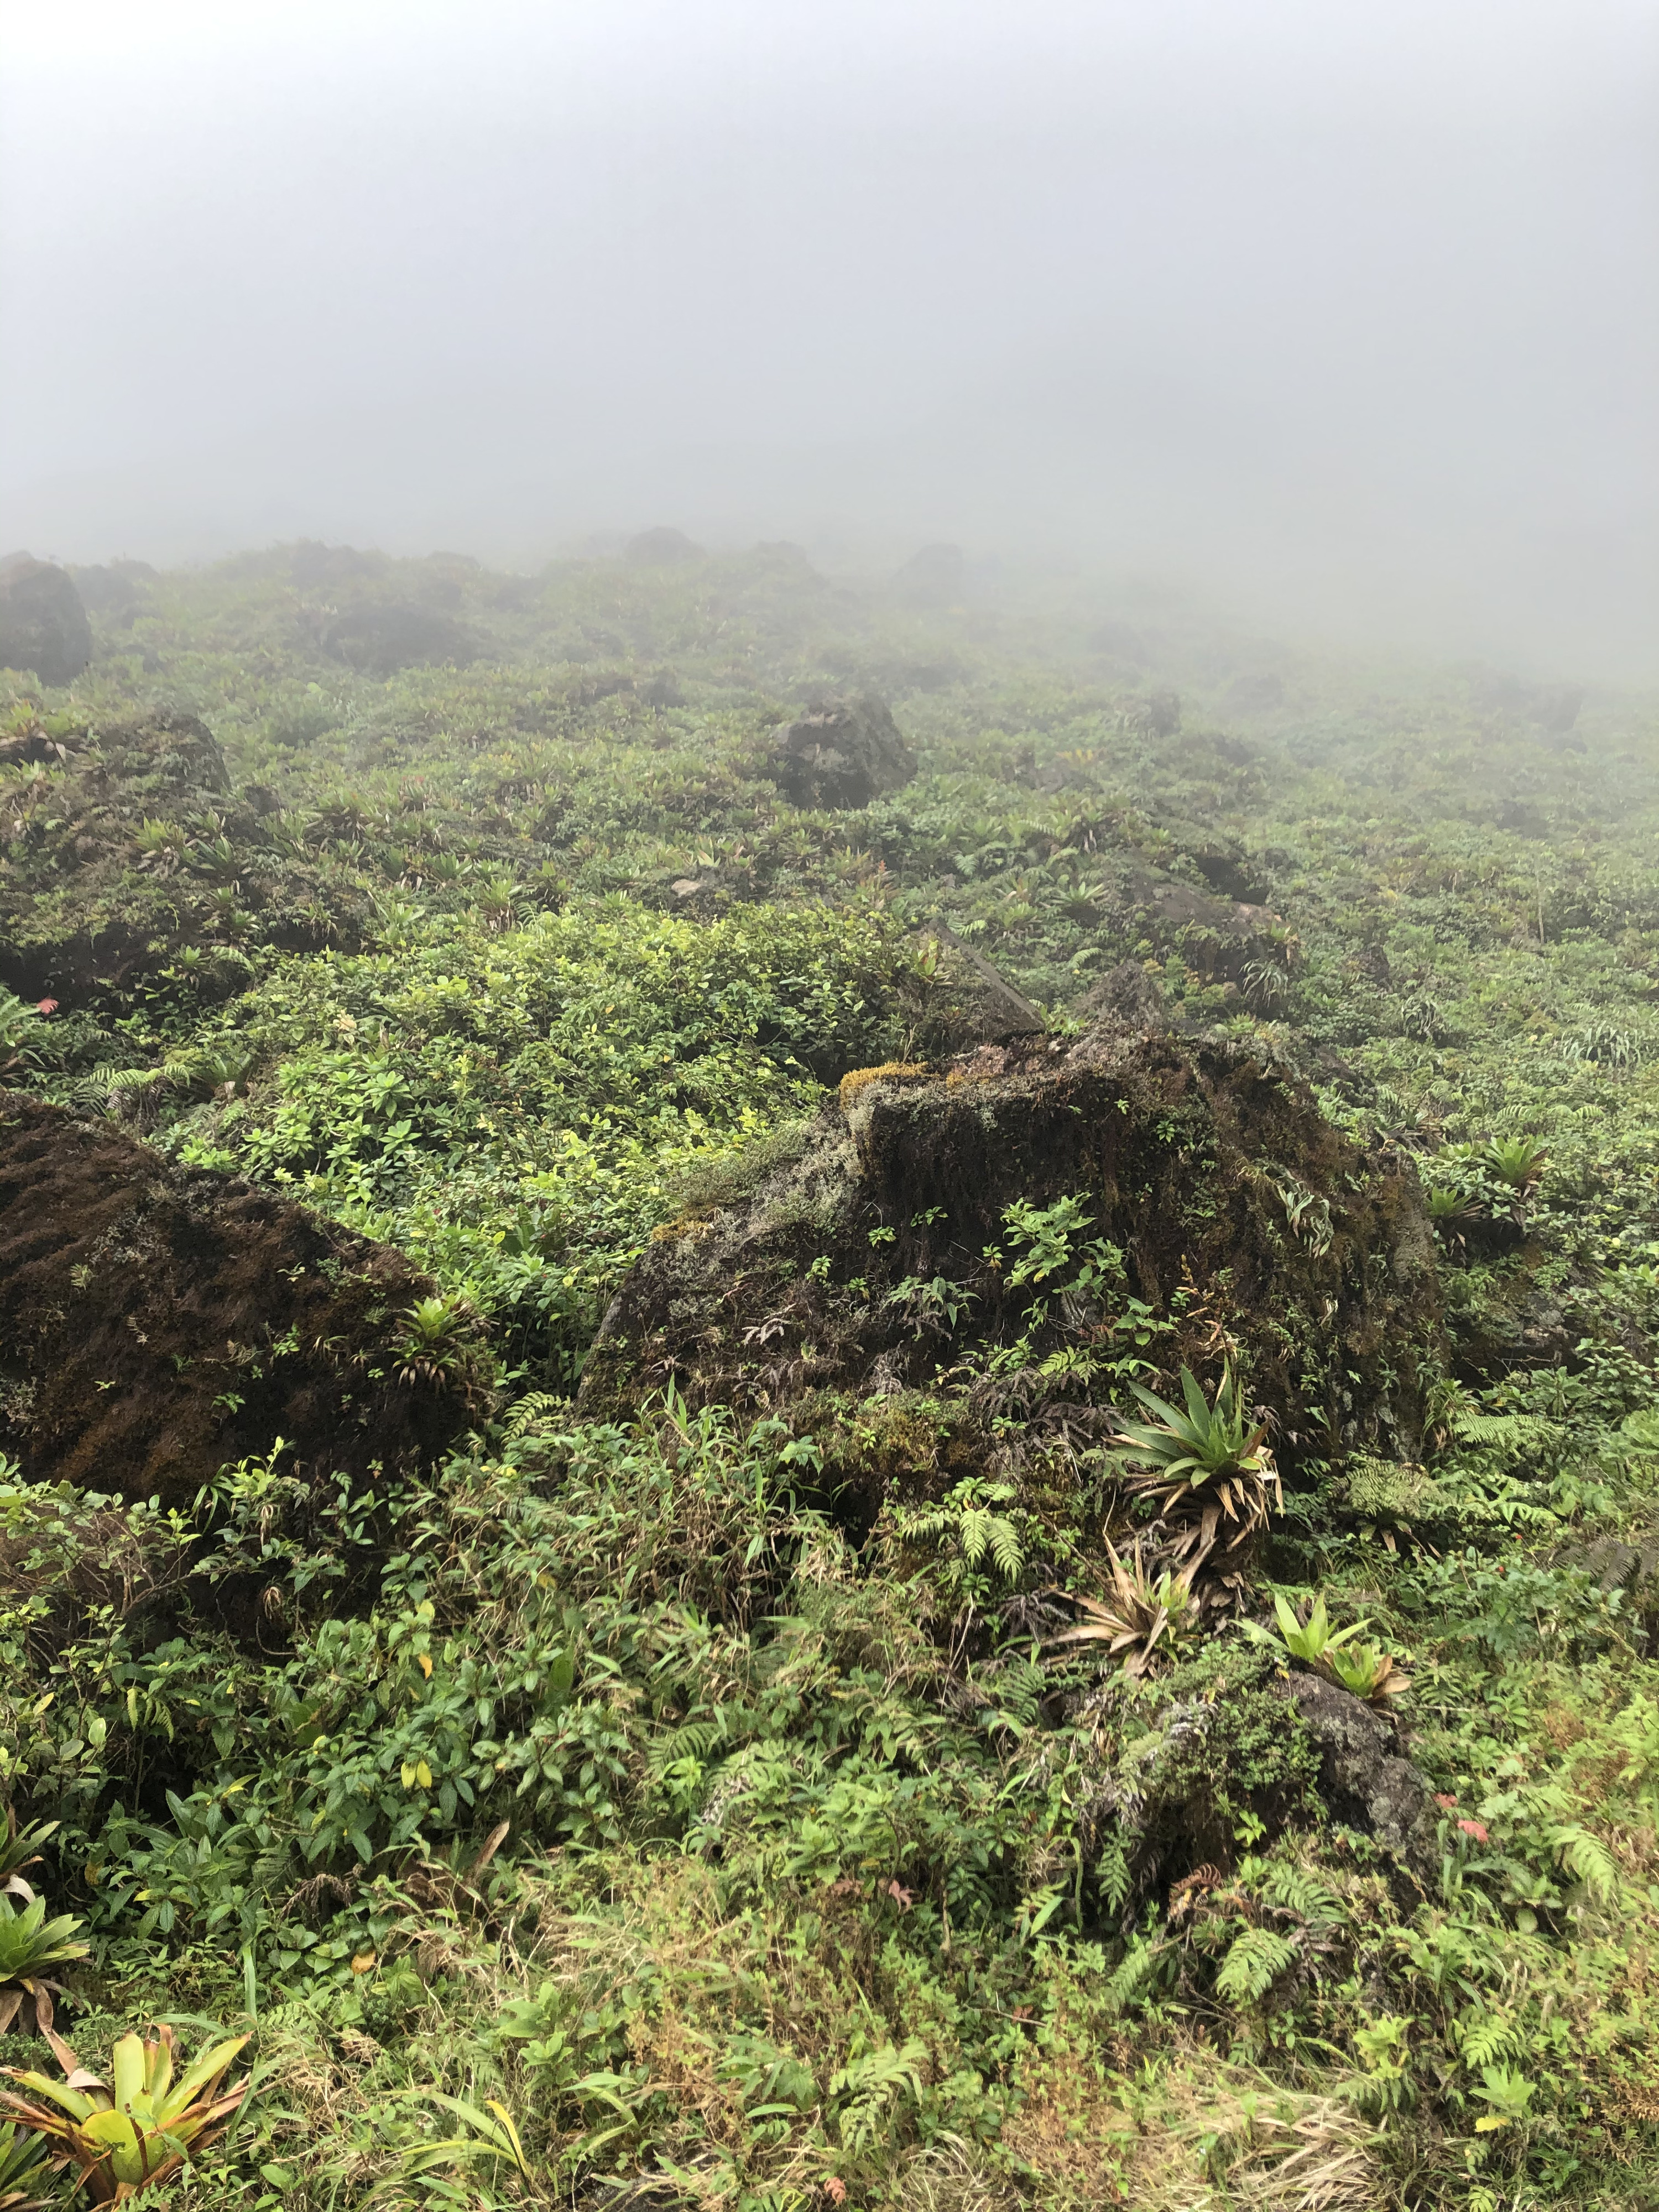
(140, 2126)
(1205, 1462)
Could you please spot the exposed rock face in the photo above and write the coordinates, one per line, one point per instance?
(156, 1322)
(1550, 707)
(1217, 937)
(662, 548)
(966, 1000)
(1254, 695)
(380, 638)
(1364, 1781)
(102, 921)
(43, 625)
(1157, 715)
(1235, 1204)
(842, 754)
(114, 591)
(312, 562)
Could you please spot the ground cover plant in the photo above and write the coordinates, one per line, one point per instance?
(1020, 1776)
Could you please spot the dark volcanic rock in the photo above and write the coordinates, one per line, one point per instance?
(166, 749)
(662, 548)
(380, 637)
(114, 591)
(1254, 695)
(156, 1322)
(43, 624)
(843, 753)
(1218, 938)
(1550, 707)
(165, 765)
(312, 562)
(1234, 1202)
(1364, 1781)
(966, 1000)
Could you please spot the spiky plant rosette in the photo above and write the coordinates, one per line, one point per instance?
(138, 2129)
(24, 2169)
(29, 1944)
(1205, 1463)
(1140, 1611)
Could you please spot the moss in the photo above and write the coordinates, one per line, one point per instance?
(1184, 1157)
(166, 1321)
(890, 1070)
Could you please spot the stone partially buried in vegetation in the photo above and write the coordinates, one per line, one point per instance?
(843, 753)
(663, 547)
(117, 868)
(157, 1322)
(382, 638)
(957, 998)
(890, 1247)
(43, 625)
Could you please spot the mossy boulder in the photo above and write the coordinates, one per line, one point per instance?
(43, 625)
(156, 1322)
(1222, 1209)
(379, 637)
(843, 753)
(88, 908)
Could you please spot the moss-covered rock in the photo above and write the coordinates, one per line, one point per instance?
(157, 1322)
(1210, 1206)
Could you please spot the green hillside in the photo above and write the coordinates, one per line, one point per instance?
(1142, 1690)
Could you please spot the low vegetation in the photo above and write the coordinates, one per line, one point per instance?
(1092, 1758)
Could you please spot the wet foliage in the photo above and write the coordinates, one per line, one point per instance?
(942, 1501)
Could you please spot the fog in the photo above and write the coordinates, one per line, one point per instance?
(1348, 313)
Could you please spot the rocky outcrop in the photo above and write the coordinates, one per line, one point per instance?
(156, 1322)
(114, 591)
(380, 637)
(879, 1256)
(88, 906)
(1364, 1781)
(841, 753)
(662, 548)
(43, 625)
(1220, 939)
(957, 998)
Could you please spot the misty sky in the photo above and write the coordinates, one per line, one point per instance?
(1352, 310)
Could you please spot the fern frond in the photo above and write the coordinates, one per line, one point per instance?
(1500, 1431)
(1253, 1964)
(1005, 1547)
(1588, 1859)
(1486, 2037)
(1136, 1969)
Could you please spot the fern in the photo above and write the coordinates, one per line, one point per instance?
(1112, 1875)
(1299, 1892)
(1513, 1432)
(1136, 1969)
(535, 1411)
(976, 1527)
(870, 2085)
(1484, 2038)
(1251, 1966)
(1588, 1859)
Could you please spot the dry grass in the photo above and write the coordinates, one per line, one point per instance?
(953, 2176)
(1249, 2146)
